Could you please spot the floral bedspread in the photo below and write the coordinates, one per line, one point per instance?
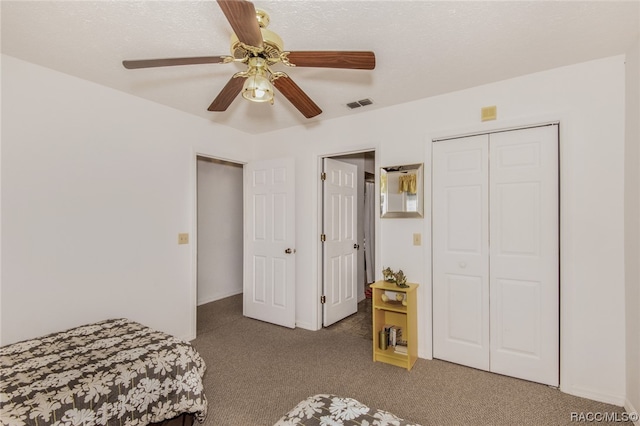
(115, 372)
(331, 410)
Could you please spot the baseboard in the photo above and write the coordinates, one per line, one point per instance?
(219, 296)
(630, 409)
(188, 338)
(616, 400)
(306, 326)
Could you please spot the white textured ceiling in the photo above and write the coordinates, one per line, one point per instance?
(423, 48)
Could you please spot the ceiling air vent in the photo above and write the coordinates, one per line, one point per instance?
(360, 103)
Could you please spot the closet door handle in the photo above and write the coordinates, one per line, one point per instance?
(462, 264)
(289, 251)
(356, 246)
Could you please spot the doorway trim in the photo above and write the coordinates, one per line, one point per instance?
(566, 252)
(547, 370)
(193, 288)
(318, 228)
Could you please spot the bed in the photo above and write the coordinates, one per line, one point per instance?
(111, 372)
(327, 409)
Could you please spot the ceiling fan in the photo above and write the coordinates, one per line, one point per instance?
(259, 48)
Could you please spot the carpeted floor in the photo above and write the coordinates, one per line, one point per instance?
(256, 372)
(359, 324)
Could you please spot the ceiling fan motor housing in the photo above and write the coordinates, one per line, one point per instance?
(273, 46)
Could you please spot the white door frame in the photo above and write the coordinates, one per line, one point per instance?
(566, 251)
(193, 240)
(318, 228)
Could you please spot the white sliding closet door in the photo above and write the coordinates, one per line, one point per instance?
(496, 253)
(524, 256)
(461, 251)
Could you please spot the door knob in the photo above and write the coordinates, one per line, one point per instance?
(289, 251)
(462, 264)
(356, 246)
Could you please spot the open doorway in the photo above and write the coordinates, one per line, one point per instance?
(363, 239)
(219, 261)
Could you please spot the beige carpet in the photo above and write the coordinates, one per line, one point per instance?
(256, 372)
(359, 324)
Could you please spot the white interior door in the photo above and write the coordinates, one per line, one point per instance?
(524, 257)
(269, 241)
(340, 248)
(461, 251)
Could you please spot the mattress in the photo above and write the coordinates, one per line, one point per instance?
(326, 409)
(114, 372)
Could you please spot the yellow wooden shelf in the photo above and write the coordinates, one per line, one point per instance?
(389, 306)
(394, 313)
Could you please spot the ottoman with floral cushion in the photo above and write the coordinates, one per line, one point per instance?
(331, 410)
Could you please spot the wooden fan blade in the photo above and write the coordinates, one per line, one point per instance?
(168, 62)
(334, 59)
(241, 15)
(297, 97)
(227, 94)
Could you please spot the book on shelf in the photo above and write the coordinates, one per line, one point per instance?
(400, 349)
(393, 334)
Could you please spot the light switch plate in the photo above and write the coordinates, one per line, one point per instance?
(183, 238)
(417, 239)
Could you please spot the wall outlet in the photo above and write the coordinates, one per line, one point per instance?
(183, 238)
(417, 239)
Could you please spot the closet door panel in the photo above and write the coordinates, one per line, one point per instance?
(464, 309)
(460, 251)
(524, 254)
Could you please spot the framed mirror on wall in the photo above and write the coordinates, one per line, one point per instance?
(401, 192)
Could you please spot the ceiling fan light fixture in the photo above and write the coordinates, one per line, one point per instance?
(257, 88)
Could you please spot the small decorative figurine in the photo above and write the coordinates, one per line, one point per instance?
(401, 279)
(388, 275)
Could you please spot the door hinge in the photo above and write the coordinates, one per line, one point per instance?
(323, 176)
(323, 299)
(323, 237)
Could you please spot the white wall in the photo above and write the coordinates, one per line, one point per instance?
(632, 229)
(219, 230)
(96, 185)
(588, 99)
